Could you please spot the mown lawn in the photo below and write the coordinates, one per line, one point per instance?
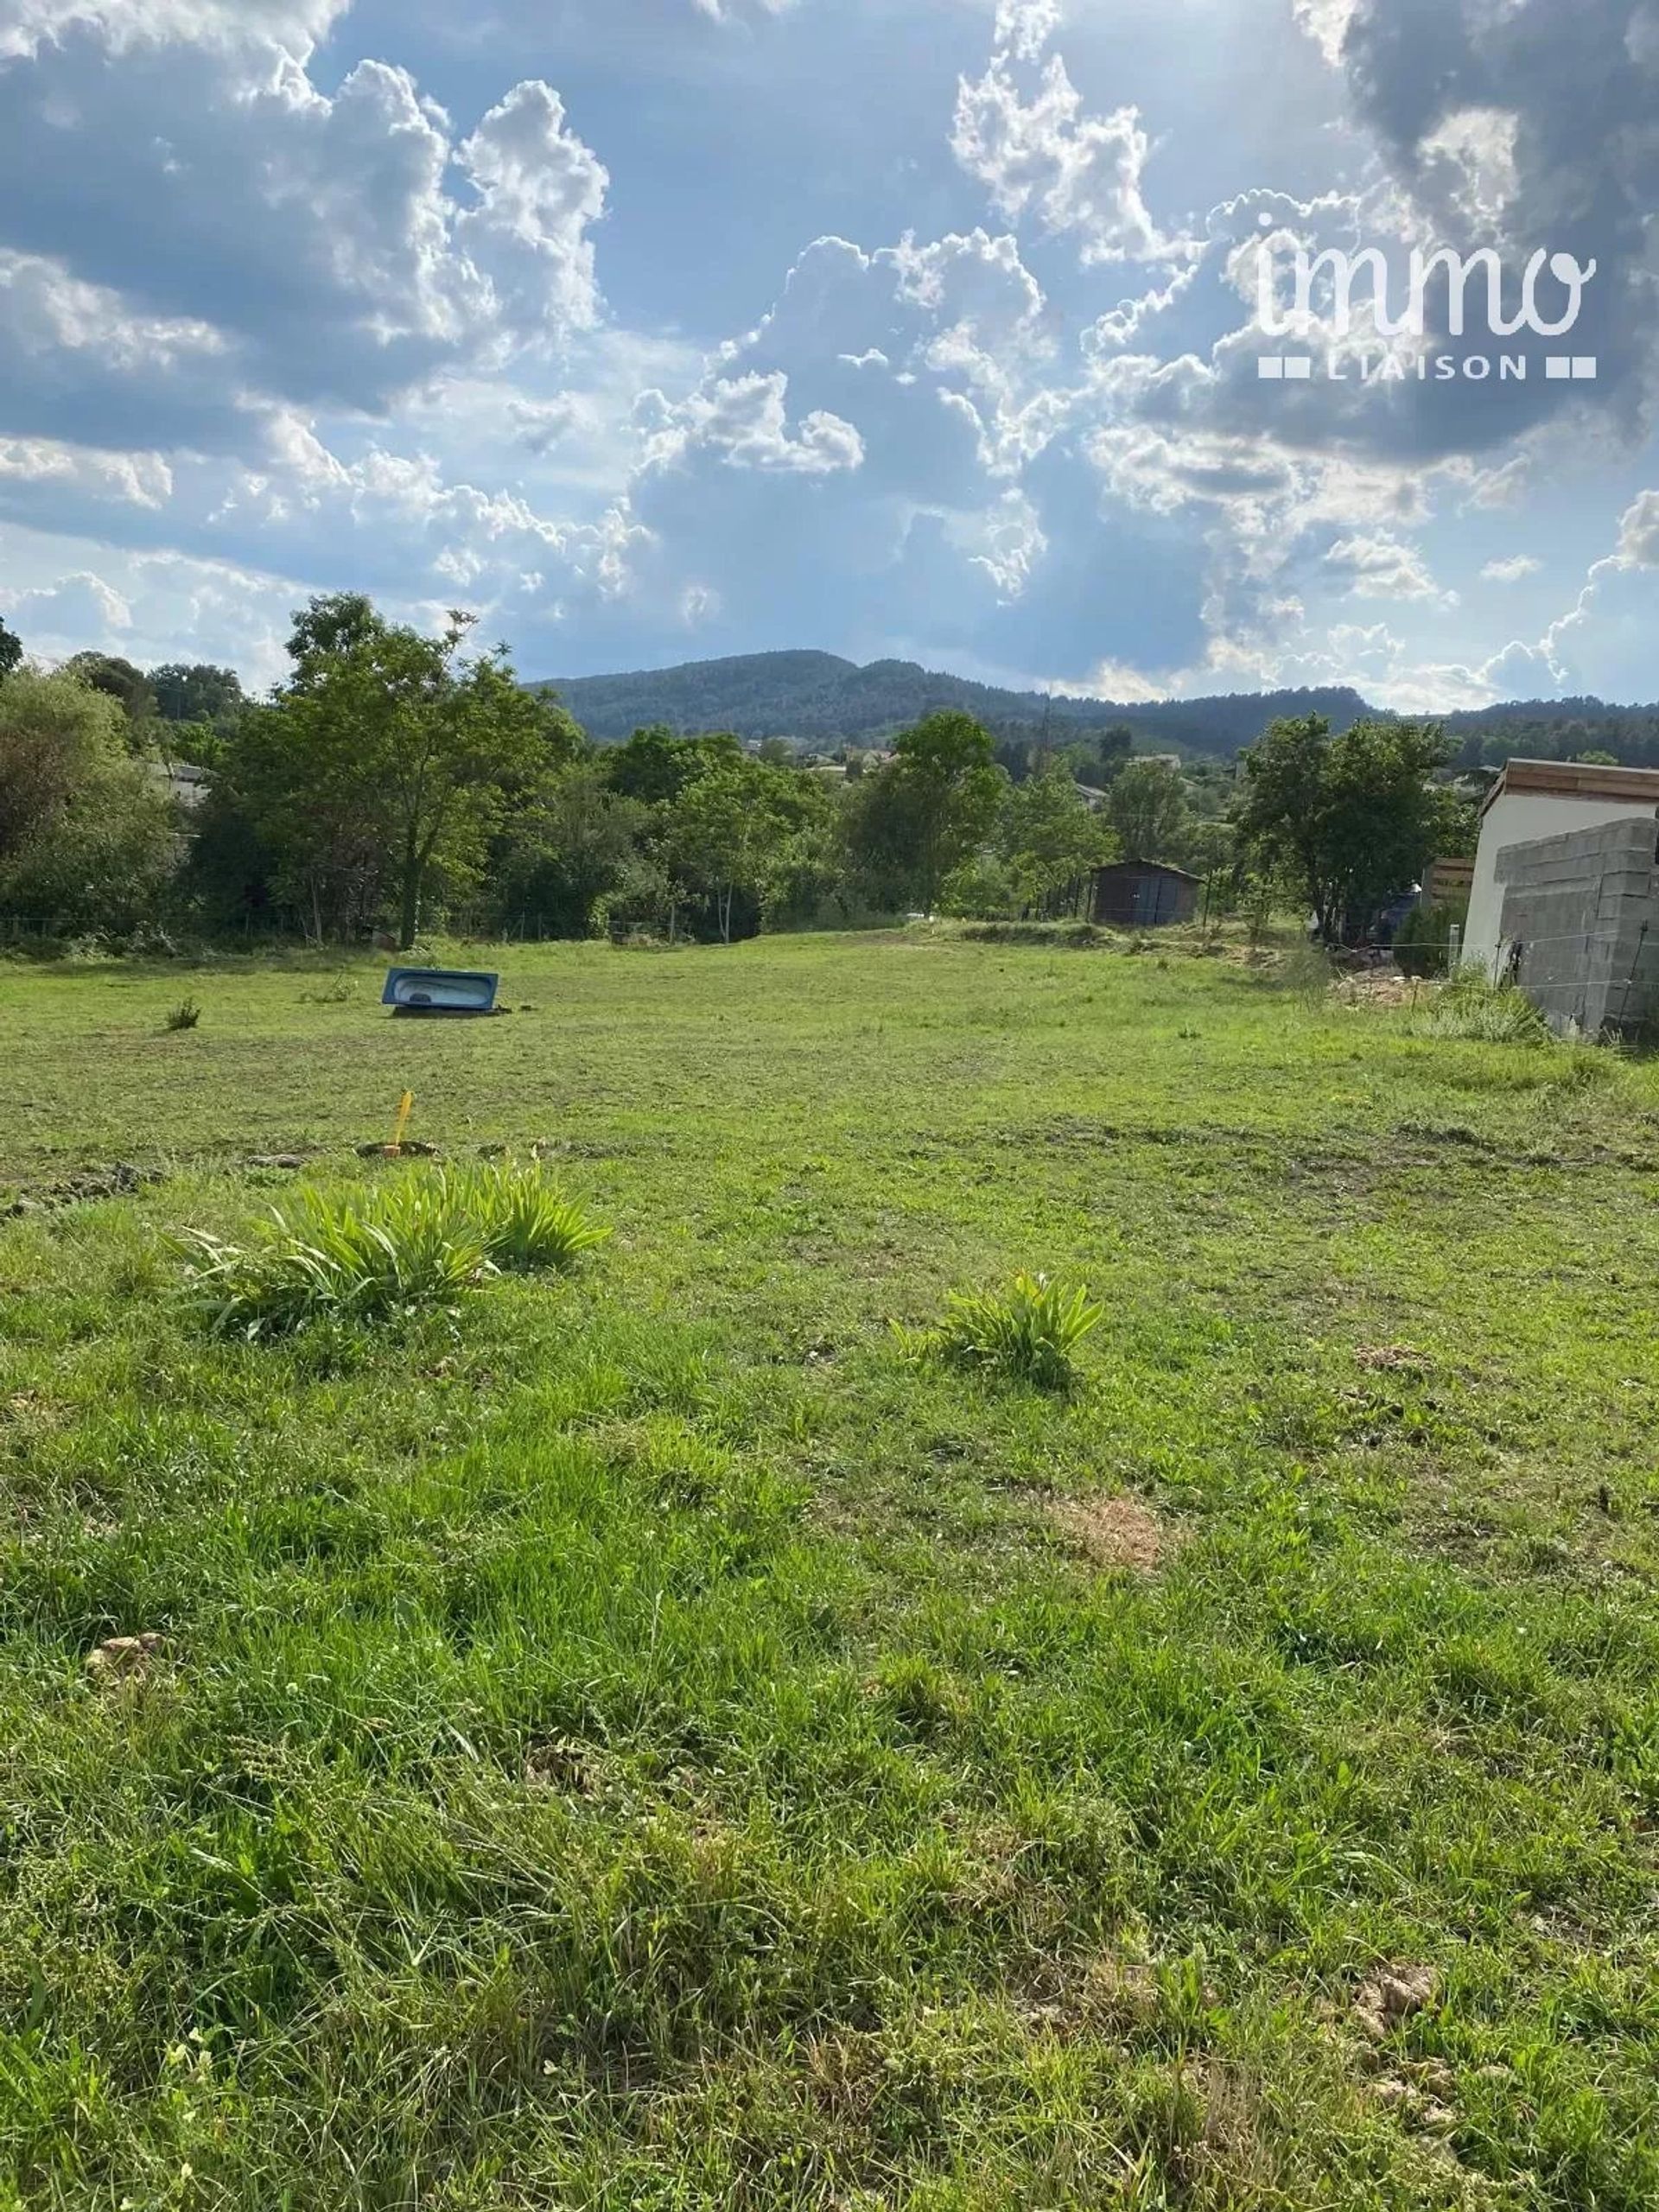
(640, 1743)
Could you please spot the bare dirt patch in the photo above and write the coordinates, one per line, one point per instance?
(125, 1658)
(1392, 1359)
(1117, 1534)
(1380, 987)
(1392, 1995)
(91, 1187)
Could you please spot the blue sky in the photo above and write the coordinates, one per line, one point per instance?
(657, 329)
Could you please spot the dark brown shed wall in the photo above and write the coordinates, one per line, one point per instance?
(1141, 895)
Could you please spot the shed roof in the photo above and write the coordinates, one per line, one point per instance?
(1576, 779)
(1147, 867)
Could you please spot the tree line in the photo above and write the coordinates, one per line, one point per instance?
(395, 782)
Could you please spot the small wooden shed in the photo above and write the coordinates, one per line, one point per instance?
(1144, 895)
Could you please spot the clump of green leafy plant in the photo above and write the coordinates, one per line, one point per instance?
(369, 1256)
(1482, 1013)
(342, 1258)
(185, 1015)
(1026, 1334)
(339, 992)
(525, 1221)
(1307, 972)
(1422, 945)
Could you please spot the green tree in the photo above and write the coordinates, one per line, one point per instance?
(296, 820)
(809, 865)
(197, 693)
(118, 680)
(1207, 848)
(55, 733)
(567, 849)
(333, 626)
(1114, 749)
(655, 765)
(1048, 836)
(1343, 823)
(11, 651)
(1146, 806)
(199, 707)
(981, 888)
(232, 874)
(387, 763)
(1454, 830)
(927, 809)
(87, 835)
(744, 828)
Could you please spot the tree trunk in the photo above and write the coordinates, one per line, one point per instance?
(410, 905)
(408, 927)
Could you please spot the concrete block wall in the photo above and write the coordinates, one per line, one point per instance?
(1580, 925)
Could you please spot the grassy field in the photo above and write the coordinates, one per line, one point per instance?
(639, 1741)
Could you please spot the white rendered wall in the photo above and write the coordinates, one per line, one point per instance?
(1517, 819)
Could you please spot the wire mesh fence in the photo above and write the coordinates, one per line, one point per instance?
(1619, 978)
(24, 929)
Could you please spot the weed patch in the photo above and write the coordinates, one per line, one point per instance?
(524, 1220)
(366, 1256)
(1481, 1013)
(1025, 1334)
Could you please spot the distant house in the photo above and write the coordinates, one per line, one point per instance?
(1537, 799)
(1143, 895)
(186, 785)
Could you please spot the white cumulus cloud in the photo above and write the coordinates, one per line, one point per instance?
(1326, 23)
(1078, 173)
(1381, 566)
(1514, 570)
(339, 247)
(293, 24)
(1638, 533)
(1025, 26)
(75, 606)
(540, 189)
(745, 420)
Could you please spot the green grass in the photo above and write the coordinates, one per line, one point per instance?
(634, 1738)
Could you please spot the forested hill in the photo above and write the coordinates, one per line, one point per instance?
(824, 700)
(818, 697)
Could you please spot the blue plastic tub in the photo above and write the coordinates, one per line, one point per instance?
(440, 990)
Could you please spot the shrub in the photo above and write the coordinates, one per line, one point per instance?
(366, 1256)
(355, 1258)
(1305, 971)
(1026, 1334)
(1482, 1012)
(1423, 944)
(980, 889)
(524, 1219)
(184, 1016)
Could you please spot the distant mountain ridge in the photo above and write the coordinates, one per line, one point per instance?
(817, 696)
(820, 698)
